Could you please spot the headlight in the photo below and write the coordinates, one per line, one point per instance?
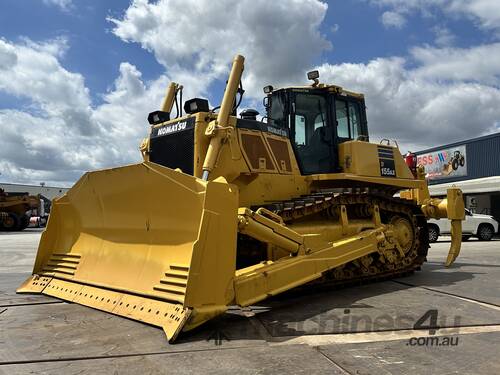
(196, 105)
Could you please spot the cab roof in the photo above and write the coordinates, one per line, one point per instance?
(323, 87)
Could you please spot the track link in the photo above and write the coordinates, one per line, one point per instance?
(372, 267)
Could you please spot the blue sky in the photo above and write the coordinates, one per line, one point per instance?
(362, 36)
(79, 77)
(96, 52)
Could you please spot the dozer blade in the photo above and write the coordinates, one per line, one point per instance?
(142, 241)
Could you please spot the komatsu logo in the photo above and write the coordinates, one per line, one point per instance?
(277, 131)
(169, 129)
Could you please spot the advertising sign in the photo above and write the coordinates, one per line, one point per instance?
(450, 162)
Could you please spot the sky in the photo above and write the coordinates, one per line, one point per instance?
(79, 77)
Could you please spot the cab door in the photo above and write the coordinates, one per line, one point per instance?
(350, 121)
(311, 133)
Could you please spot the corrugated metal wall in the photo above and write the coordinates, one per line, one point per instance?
(482, 158)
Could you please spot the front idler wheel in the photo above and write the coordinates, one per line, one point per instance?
(404, 231)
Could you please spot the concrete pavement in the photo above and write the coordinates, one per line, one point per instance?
(365, 329)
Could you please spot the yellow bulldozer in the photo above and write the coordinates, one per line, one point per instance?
(227, 210)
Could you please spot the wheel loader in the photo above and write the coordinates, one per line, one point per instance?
(13, 208)
(227, 210)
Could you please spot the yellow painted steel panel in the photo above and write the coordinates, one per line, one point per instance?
(141, 241)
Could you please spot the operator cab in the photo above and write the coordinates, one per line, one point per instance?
(318, 118)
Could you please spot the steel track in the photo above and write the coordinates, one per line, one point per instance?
(324, 203)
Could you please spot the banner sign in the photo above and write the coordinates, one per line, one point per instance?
(450, 162)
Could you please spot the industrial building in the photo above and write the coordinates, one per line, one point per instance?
(49, 192)
(472, 165)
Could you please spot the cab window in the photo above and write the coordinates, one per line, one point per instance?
(354, 120)
(300, 130)
(319, 121)
(348, 117)
(342, 119)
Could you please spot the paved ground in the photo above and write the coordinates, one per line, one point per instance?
(359, 330)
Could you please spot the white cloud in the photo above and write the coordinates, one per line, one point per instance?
(417, 106)
(60, 134)
(444, 37)
(432, 96)
(479, 63)
(279, 39)
(485, 13)
(8, 56)
(125, 109)
(64, 5)
(393, 19)
(36, 74)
